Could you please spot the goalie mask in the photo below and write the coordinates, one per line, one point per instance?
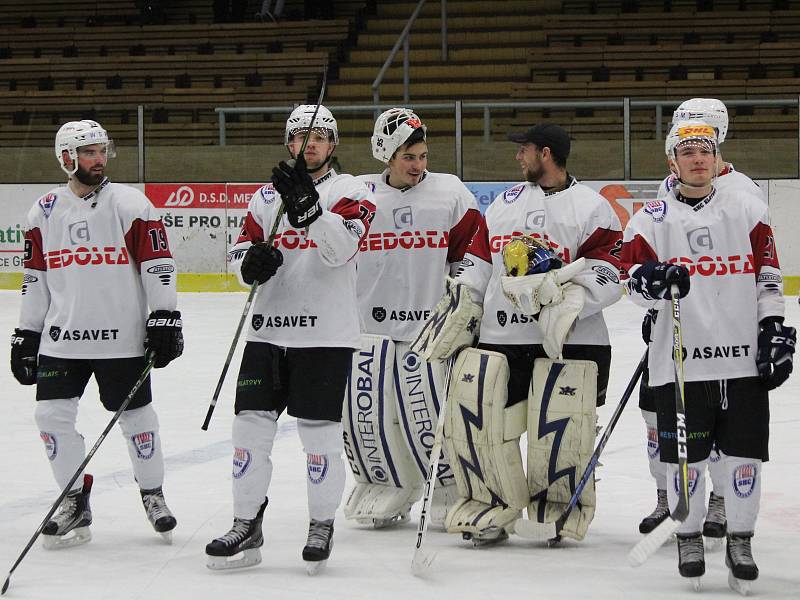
(524, 255)
(300, 121)
(709, 110)
(76, 134)
(392, 129)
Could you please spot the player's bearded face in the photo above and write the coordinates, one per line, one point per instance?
(530, 160)
(91, 164)
(318, 150)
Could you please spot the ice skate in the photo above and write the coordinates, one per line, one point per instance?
(387, 522)
(70, 526)
(318, 546)
(658, 516)
(715, 527)
(158, 513)
(739, 559)
(691, 558)
(239, 548)
(491, 536)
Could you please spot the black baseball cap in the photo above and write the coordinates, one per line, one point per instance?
(545, 135)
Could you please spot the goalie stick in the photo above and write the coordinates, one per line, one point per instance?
(656, 538)
(151, 360)
(270, 240)
(422, 558)
(533, 530)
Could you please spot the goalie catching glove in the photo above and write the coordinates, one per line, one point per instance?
(297, 190)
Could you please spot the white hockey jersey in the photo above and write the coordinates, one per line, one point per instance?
(728, 177)
(576, 222)
(92, 268)
(418, 237)
(727, 244)
(311, 300)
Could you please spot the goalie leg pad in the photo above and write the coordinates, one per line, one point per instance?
(561, 434)
(482, 441)
(388, 481)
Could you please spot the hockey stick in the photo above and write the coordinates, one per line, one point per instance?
(656, 538)
(534, 530)
(252, 293)
(142, 378)
(422, 559)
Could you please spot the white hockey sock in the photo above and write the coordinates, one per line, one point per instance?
(697, 495)
(718, 471)
(322, 443)
(64, 445)
(657, 469)
(253, 435)
(140, 429)
(742, 493)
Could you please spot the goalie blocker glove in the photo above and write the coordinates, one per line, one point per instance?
(260, 263)
(776, 344)
(24, 355)
(164, 336)
(653, 280)
(297, 190)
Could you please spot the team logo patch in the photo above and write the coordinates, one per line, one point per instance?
(378, 313)
(317, 468)
(268, 193)
(744, 480)
(411, 361)
(55, 333)
(656, 209)
(241, 462)
(145, 444)
(513, 193)
(502, 318)
(468, 378)
(566, 390)
(692, 481)
(47, 202)
(652, 443)
(258, 321)
(50, 444)
(605, 275)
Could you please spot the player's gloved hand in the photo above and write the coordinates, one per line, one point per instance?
(164, 336)
(776, 344)
(647, 325)
(654, 279)
(25, 355)
(300, 197)
(260, 263)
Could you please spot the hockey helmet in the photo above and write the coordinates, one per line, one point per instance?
(392, 128)
(75, 134)
(682, 132)
(525, 255)
(300, 120)
(708, 110)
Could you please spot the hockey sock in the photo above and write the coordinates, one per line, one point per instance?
(140, 428)
(742, 493)
(64, 445)
(253, 435)
(697, 494)
(657, 469)
(322, 443)
(718, 471)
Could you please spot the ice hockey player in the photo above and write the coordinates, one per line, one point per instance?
(714, 113)
(528, 312)
(712, 243)
(302, 334)
(423, 224)
(96, 257)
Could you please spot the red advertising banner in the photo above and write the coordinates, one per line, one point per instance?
(200, 195)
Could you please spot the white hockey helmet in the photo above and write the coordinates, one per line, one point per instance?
(690, 131)
(73, 135)
(392, 128)
(300, 120)
(709, 110)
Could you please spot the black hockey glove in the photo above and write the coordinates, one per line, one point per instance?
(300, 197)
(164, 336)
(776, 344)
(647, 325)
(260, 263)
(25, 355)
(654, 279)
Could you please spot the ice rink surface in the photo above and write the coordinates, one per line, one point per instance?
(126, 559)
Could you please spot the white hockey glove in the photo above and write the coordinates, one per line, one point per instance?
(556, 319)
(530, 293)
(454, 323)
